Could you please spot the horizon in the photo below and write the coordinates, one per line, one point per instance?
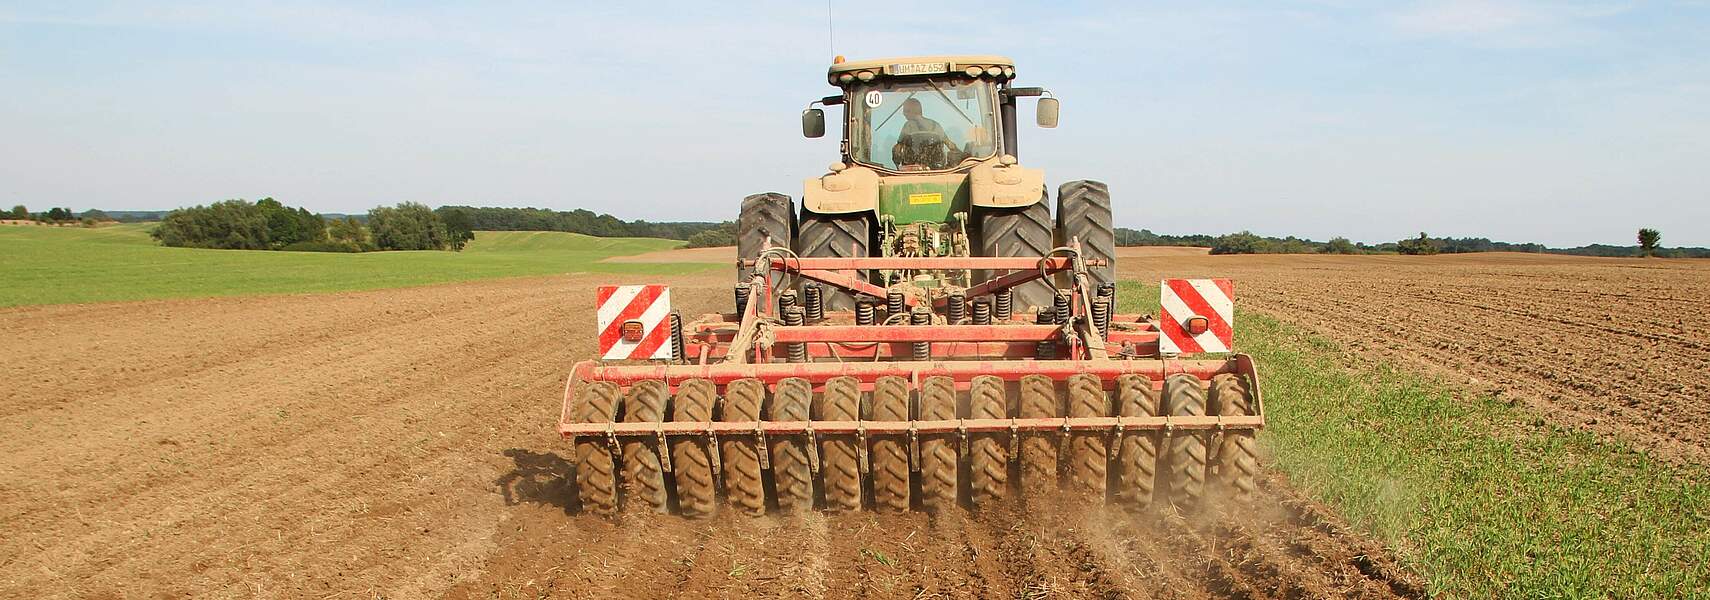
(1565, 124)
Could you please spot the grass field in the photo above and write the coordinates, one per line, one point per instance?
(1484, 499)
(53, 265)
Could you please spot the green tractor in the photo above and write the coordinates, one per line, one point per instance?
(929, 168)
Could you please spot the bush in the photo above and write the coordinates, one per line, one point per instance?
(1422, 245)
(20, 213)
(240, 225)
(1239, 243)
(1340, 245)
(725, 235)
(459, 226)
(407, 226)
(323, 246)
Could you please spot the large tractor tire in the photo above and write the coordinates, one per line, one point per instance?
(644, 473)
(1023, 231)
(596, 472)
(890, 452)
(1187, 454)
(938, 468)
(988, 460)
(1237, 459)
(740, 454)
(839, 463)
(1137, 458)
(835, 236)
(766, 219)
(691, 459)
(1083, 213)
(792, 480)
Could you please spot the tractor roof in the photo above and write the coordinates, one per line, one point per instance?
(906, 66)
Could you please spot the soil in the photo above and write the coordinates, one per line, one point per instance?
(399, 443)
(717, 254)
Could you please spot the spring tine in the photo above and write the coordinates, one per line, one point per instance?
(664, 452)
(812, 450)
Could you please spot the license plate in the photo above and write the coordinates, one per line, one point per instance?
(917, 68)
(934, 198)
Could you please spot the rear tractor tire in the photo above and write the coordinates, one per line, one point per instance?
(835, 236)
(766, 220)
(1083, 213)
(1020, 231)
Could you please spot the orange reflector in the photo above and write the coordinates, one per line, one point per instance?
(1196, 325)
(631, 331)
(838, 60)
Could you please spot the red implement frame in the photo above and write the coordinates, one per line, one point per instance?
(726, 348)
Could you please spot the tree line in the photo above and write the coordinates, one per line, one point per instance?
(267, 224)
(586, 222)
(56, 216)
(1247, 242)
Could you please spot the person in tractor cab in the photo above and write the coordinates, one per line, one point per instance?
(923, 145)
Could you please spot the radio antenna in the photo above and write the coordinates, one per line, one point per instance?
(830, 33)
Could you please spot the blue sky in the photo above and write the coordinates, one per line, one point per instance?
(1560, 122)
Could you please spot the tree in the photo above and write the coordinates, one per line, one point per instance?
(1421, 245)
(459, 226)
(1340, 245)
(20, 213)
(1649, 240)
(57, 214)
(1239, 243)
(725, 235)
(407, 226)
(96, 215)
(350, 231)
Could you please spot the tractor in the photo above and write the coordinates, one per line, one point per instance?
(922, 334)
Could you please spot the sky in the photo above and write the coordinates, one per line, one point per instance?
(1562, 122)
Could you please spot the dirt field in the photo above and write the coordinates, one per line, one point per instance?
(399, 443)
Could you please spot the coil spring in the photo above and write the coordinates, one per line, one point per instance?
(864, 310)
(786, 299)
(742, 299)
(921, 315)
(1046, 350)
(677, 353)
(982, 311)
(1107, 292)
(894, 304)
(814, 299)
(795, 351)
(957, 307)
(1101, 316)
(1060, 312)
(1005, 305)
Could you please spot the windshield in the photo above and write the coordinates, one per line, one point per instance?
(922, 125)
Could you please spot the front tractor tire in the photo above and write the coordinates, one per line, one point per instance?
(835, 236)
(1020, 231)
(766, 220)
(1083, 213)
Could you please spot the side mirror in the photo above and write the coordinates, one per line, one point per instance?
(813, 123)
(1047, 116)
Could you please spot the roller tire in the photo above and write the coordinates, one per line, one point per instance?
(644, 473)
(988, 460)
(1039, 450)
(792, 480)
(835, 236)
(596, 472)
(740, 454)
(1137, 459)
(938, 469)
(691, 461)
(839, 462)
(1021, 231)
(1088, 451)
(1237, 463)
(1083, 212)
(769, 216)
(1183, 397)
(890, 452)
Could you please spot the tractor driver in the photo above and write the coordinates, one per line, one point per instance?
(923, 144)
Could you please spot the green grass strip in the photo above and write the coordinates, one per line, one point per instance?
(53, 265)
(1482, 498)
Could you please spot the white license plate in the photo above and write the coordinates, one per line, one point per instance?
(917, 68)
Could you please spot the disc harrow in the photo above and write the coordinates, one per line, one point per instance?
(915, 399)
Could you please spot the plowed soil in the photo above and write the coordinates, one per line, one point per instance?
(399, 444)
(1620, 347)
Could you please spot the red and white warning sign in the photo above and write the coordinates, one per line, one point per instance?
(1197, 315)
(634, 321)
